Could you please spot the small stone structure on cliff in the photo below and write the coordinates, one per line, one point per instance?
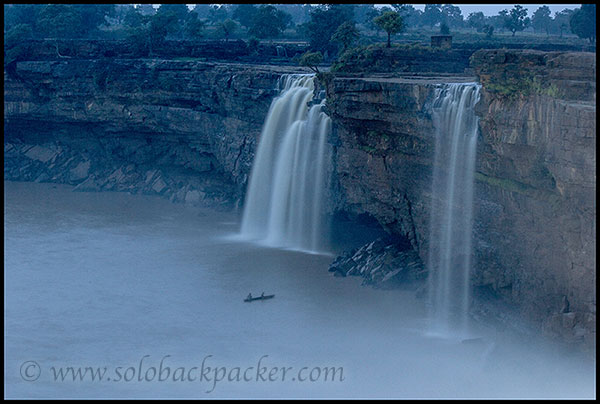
(441, 41)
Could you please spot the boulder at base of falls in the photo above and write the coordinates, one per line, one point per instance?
(381, 264)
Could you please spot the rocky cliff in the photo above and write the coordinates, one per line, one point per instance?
(534, 231)
(187, 130)
(182, 129)
(536, 176)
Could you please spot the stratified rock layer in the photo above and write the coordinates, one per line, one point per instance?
(154, 126)
(188, 130)
(380, 263)
(534, 230)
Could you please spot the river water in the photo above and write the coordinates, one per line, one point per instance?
(124, 282)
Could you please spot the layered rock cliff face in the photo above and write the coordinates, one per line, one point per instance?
(185, 130)
(534, 229)
(536, 186)
(188, 130)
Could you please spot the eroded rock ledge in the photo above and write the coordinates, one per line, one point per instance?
(182, 129)
(187, 130)
(381, 263)
(534, 219)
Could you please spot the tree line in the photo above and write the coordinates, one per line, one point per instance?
(329, 28)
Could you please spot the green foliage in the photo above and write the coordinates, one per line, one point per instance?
(15, 48)
(194, 26)
(410, 15)
(583, 22)
(133, 18)
(444, 29)
(561, 21)
(505, 183)
(162, 24)
(153, 32)
(391, 23)
(15, 14)
(516, 19)
(325, 78)
(324, 21)
(452, 16)
(367, 149)
(139, 40)
(269, 22)
(71, 20)
(541, 20)
(179, 10)
(346, 34)
(253, 44)
(244, 14)
(476, 21)
(432, 15)
(217, 14)
(17, 34)
(378, 58)
(94, 15)
(146, 9)
(488, 30)
(101, 77)
(203, 10)
(522, 86)
(226, 28)
(311, 60)
(60, 21)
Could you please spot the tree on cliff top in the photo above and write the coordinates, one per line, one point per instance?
(391, 23)
(14, 46)
(411, 17)
(180, 10)
(217, 14)
(516, 19)
(269, 22)
(476, 21)
(346, 34)
(153, 31)
(311, 60)
(444, 29)
(452, 16)
(244, 14)
(541, 20)
(561, 21)
(432, 15)
(58, 20)
(226, 28)
(194, 26)
(583, 22)
(324, 21)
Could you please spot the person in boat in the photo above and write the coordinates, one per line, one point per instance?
(262, 295)
(249, 296)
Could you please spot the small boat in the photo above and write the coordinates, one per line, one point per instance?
(264, 297)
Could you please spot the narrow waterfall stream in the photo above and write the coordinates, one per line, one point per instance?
(284, 200)
(451, 224)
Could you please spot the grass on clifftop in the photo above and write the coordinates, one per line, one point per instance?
(378, 58)
(523, 86)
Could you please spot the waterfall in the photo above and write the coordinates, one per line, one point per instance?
(449, 259)
(285, 195)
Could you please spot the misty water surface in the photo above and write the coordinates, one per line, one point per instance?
(109, 279)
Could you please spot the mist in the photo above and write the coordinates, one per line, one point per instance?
(111, 279)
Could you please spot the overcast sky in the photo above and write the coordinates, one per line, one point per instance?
(488, 9)
(493, 9)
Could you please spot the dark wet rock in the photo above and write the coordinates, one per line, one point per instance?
(534, 209)
(137, 125)
(380, 264)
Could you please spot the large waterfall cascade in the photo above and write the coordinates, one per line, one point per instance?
(451, 225)
(284, 204)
